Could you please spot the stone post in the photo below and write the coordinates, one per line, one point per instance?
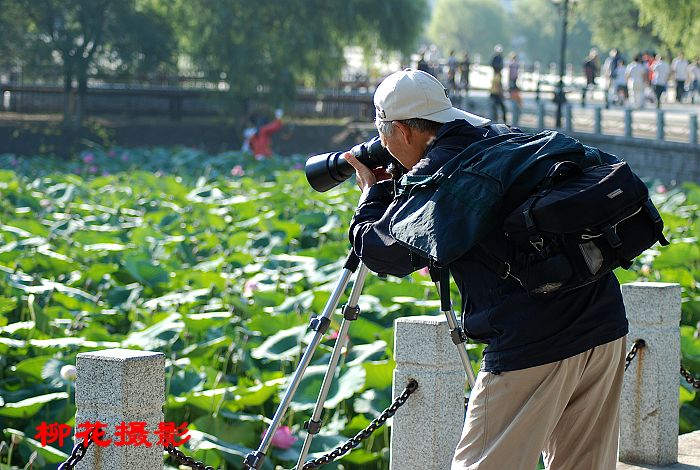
(649, 405)
(427, 428)
(115, 386)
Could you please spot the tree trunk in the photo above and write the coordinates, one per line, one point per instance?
(67, 94)
(82, 92)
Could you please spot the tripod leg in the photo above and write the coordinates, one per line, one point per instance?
(350, 313)
(319, 325)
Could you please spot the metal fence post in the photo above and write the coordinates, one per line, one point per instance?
(693, 128)
(540, 115)
(660, 125)
(598, 121)
(427, 428)
(115, 386)
(649, 405)
(628, 122)
(569, 119)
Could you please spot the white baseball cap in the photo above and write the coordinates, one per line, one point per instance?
(410, 94)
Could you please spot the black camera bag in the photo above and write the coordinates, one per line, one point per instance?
(579, 225)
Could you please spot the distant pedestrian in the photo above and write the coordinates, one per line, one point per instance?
(660, 78)
(679, 66)
(609, 72)
(497, 59)
(620, 83)
(464, 69)
(451, 72)
(423, 64)
(591, 68)
(513, 71)
(497, 97)
(636, 76)
(693, 80)
(257, 139)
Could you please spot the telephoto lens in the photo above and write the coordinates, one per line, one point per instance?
(328, 170)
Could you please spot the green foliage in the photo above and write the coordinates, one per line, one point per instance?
(165, 250)
(675, 22)
(471, 25)
(616, 24)
(271, 47)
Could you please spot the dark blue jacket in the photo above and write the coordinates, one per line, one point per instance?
(520, 331)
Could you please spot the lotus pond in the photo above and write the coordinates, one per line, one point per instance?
(219, 261)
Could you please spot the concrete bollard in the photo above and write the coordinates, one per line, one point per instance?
(115, 386)
(427, 428)
(649, 405)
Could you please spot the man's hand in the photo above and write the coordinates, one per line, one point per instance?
(366, 177)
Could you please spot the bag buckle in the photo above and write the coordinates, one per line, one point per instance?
(506, 265)
(538, 244)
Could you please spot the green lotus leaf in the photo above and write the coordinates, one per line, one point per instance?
(285, 344)
(30, 406)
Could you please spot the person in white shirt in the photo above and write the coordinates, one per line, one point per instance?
(680, 71)
(636, 74)
(620, 81)
(693, 84)
(661, 72)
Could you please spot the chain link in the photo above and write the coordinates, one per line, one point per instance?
(638, 344)
(365, 433)
(79, 450)
(689, 378)
(77, 454)
(180, 457)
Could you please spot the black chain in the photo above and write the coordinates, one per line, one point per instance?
(77, 454)
(689, 378)
(365, 433)
(638, 344)
(180, 457)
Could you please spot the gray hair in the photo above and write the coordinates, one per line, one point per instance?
(387, 127)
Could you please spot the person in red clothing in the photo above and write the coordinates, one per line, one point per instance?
(257, 140)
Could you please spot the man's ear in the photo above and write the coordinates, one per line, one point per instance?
(406, 132)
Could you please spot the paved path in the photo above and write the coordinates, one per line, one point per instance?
(688, 455)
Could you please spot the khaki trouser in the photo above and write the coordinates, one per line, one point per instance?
(566, 410)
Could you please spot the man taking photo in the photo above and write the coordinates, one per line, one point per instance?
(551, 373)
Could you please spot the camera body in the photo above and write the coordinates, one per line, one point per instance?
(328, 170)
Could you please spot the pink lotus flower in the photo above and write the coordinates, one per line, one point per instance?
(661, 189)
(88, 158)
(250, 287)
(424, 271)
(283, 438)
(333, 334)
(92, 169)
(237, 171)
(298, 166)
(111, 154)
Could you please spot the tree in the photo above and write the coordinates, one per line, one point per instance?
(474, 26)
(675, 22)
(540, 34)
(269, 47)
(76, 34)
(616, 24)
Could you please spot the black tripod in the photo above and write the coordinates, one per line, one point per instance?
(319, 325)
